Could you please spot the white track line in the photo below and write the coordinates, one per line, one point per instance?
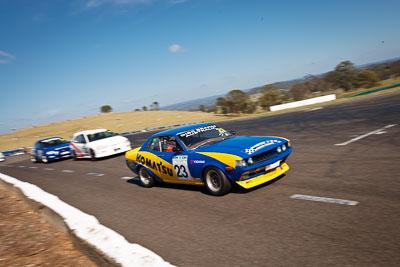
(67, 171)
(48, 169)
(313, 109)
(379, 131)
(95, 174)
(326, 199)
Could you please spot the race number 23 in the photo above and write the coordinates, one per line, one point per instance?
(181, 168)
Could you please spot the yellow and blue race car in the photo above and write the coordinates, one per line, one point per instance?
(205, 154)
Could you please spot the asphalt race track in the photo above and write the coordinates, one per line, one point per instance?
(348, 152)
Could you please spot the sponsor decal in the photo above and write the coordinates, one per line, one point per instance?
(197, 130)
(154, 165)
(260, 145)
(221, 131)
(197, 161)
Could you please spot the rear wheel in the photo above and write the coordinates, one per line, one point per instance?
(44, 159)
(145, 179)
(92, 155)
(216, 182)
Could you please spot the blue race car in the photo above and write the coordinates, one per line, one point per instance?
(50, 149)
(206, 154)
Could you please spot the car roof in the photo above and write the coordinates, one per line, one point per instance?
(49, 138)
(175, 131)
(86, 132)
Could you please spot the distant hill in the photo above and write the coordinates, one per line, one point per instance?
(194, 104)
(210, 101)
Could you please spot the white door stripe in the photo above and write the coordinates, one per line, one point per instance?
(325, 199)
(379, 131)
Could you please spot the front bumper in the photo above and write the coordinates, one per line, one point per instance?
(264, 177)
(62, 155)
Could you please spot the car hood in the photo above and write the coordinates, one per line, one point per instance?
(62, 147)
(114, 140)
(243, 146)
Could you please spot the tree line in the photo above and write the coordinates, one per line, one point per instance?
(154, 106)
(345, 77)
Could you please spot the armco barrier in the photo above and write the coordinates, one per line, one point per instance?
(103, 245)
(376, 90)
(305, 102)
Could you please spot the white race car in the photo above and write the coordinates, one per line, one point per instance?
(98, 143)
(2, 157)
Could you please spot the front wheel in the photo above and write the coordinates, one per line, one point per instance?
(73, 154)
(33, 159)
(216, 182)
(145, 179)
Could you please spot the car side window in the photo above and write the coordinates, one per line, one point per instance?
(169, 144)
(38, 145)
(154, 144)
(80, 139)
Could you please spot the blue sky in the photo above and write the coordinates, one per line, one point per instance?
(63, 59)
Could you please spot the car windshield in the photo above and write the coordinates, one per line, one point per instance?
(100, 135)
(52, 142)
(203, 135)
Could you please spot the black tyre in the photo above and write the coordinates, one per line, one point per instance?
(73, 155)
(44, 159)
(216, 182)
(92, 155)
(145, 178)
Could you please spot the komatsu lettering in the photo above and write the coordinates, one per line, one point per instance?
(154, 165)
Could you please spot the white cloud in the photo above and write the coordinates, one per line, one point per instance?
(175, 48)
(5, 57)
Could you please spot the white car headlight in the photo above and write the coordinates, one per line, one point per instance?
(279, 149)
(250, 161)
(283, 147)
(240, 163)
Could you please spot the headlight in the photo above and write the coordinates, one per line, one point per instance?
(51, 153)
(240, 163)
(279, 149)
(250, 161)
(283, 147)
(288, 144)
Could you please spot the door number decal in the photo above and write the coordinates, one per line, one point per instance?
(181, 168)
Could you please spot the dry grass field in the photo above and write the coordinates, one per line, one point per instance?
(117, 122)
(139, 120)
